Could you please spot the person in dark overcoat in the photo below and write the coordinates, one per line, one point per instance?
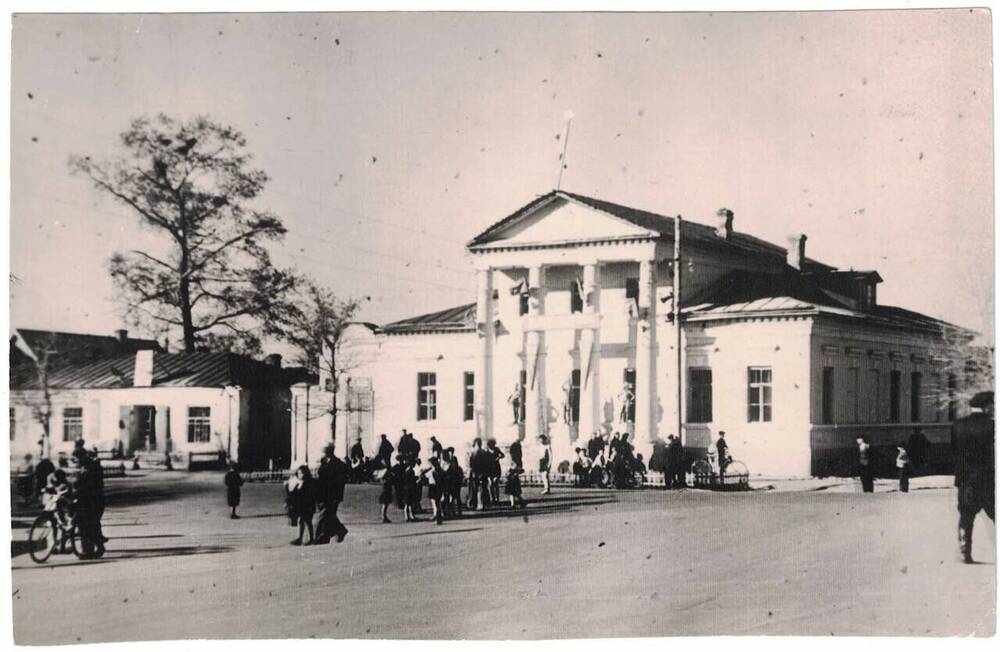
(330, 482)
(233, 482)
(90, 504)
(973, 440)
(302, 498)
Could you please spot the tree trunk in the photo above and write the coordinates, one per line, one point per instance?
(185, 301)
(333, 420)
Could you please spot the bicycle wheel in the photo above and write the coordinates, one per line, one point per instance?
(42, 538)
(75, 541)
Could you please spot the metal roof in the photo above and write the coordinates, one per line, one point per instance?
(198, 369)
(82, 346)
(457, 319)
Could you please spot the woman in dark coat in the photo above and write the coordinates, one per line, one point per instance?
(390, 480)
(233, 483)
(303, 501)
(411, 489)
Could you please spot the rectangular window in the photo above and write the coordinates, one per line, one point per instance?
(916, 380)
(522, 305)
(574, 396)
(470, 396)
(952, 393)
(199, 425)
(875, 392)
(426, 396)
(828, 400)
(575, 297)
(895, 386)
(853, 395)
(72, 423)
(699, 407)
(758, 394)
(628, 402)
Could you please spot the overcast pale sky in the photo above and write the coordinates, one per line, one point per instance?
(392, 139)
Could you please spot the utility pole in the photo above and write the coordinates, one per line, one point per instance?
(678, 327)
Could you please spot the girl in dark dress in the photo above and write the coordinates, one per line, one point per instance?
(303, 500)
(233, 483)
(411, 488)
(513, 486)
(389, 480)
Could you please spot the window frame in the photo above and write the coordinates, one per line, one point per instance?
(575, 298)
(74, 422)
(895, 395)
(764, 404)
(916, 389)
(199, 426)
(699, 403)
(575, 377)
(468, 395)
(828, 388)
(426, 396)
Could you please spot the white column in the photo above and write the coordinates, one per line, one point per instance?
(484, 367)
(534, 340)
(590, 358)
(646, 392)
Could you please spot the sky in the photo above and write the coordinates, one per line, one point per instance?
(393, 139)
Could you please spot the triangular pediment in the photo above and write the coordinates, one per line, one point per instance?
(557, 219)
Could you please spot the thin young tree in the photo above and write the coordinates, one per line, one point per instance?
(45, 362)
(192, 182)
(315, 327)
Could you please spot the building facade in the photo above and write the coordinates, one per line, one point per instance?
(196, 408)
(573, 332)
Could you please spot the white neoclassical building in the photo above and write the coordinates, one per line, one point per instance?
(573, 332)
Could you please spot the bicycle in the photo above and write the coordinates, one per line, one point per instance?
(48, 534)
(705, 475)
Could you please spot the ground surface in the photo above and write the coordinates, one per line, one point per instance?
(577, 563)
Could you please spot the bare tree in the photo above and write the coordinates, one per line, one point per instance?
(315, 326)
(39, 399)
(192, 182)
(963, 367)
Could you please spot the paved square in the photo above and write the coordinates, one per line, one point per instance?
(576, 563)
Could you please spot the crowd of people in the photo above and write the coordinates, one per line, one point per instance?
(609, 459)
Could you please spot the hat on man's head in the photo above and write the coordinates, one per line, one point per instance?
(981, 400)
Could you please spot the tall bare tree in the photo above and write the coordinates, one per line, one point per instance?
(964, 367)
(39, 399)
(315, 326)
(192, 181)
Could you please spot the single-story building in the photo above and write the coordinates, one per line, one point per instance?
(194, 407)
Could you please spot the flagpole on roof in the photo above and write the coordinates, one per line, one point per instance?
(562, 157)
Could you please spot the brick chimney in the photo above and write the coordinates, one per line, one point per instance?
(142, 376)
(122, 335)
(796, 250)
(724, 223)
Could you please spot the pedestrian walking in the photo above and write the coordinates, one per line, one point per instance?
(233, 482)
(973, 439)
(435, 488)
(411, 489)
(903, 467)
(389, 480)
(455, 478)
(303, 501)
(545, 463)
(330, 482)
(865, 470)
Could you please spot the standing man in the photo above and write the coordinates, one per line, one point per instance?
(972, 443)
(722, 450)
(385, 451)
(90, 504)
(330, 481)
(516, 456)
(865, 470)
